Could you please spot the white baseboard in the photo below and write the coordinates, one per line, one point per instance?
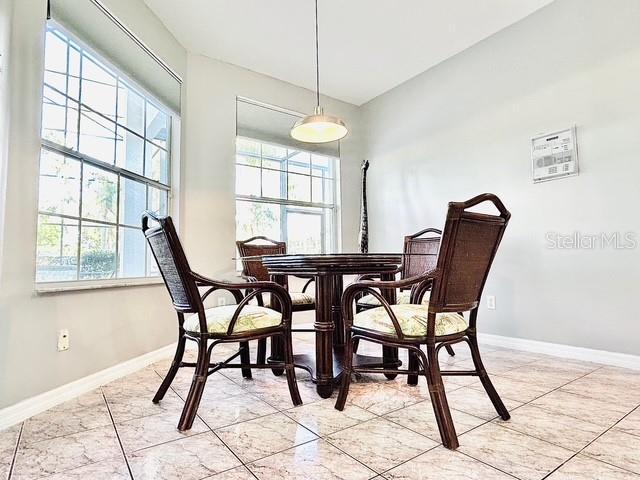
(564, 351)
(32, 406)
(38, 404)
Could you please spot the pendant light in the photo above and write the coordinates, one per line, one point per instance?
(318, 128)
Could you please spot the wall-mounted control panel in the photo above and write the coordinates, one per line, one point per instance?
(554, 155)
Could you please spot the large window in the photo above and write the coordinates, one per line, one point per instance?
(285, 194)
(105, 158)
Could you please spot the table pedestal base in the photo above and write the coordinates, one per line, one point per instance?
(308, 363)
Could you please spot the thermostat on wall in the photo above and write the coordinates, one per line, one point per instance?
(554, 155)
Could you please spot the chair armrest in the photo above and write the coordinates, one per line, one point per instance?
(307, 283)
(278, 292)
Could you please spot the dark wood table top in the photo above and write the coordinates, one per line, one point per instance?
(332, 263)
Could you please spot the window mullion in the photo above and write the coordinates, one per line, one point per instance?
(80, 220)
(144, 141)
(117, 259)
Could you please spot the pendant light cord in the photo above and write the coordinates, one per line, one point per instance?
(317, 61)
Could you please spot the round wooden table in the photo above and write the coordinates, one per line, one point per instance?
(328, 271)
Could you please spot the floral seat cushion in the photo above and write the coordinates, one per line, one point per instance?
(300, 298)
(252, 317)
(402, 298)
(412, 320)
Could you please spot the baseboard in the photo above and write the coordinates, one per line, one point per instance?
(32, 406)
(564, 351)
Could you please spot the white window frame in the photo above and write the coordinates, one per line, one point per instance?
(172, 188)
(334, 239)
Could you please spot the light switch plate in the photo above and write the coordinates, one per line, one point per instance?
(491, 302)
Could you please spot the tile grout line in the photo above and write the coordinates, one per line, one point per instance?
(531, 436)
(15, 452)
(520, 406)
(68, 434)
(528, 403)
(242, 462)
(383, 416)
(590, 443)
(113, 424)
(236, 423)
(398, 386)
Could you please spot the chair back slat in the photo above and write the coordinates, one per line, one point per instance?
(265, 246)
(469, 244)
(421, 253)
(172, 262)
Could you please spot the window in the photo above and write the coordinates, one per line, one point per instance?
(285, 194)
(105, 158)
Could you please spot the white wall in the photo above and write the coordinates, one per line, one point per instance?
(208, 217)
(107, 326)
(464, 127)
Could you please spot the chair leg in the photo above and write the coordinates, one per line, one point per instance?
(245, 359)
(277, 353)
(356, 344)
(262, 351)
(173, 369)
(412, 379)
(450, 351)
(290, 370)
(197, 387)
(439, 399)
(486, 381)
(347, 371)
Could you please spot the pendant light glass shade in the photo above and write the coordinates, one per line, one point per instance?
(319, 128)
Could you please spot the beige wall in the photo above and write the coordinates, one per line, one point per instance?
(464, 128)
(208, 217)
(106, 326)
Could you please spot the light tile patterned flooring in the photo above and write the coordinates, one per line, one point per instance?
(570, 421)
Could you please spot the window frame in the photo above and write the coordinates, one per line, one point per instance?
(171, 187)
(329, 243)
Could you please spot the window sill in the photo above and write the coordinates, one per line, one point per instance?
(71, 286)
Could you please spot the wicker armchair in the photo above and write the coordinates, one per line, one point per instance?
(208, 327)
(253, 270)
(468, 247)
(420, 255)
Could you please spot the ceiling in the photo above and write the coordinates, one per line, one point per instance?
(366, 46)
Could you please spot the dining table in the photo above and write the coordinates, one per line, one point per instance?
(329, 271)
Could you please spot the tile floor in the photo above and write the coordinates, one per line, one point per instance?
(570, 421)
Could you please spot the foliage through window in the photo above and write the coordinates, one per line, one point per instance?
(105, 158)
(285, 194)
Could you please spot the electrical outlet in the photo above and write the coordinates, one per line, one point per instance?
(491, 302)
(63, 340)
